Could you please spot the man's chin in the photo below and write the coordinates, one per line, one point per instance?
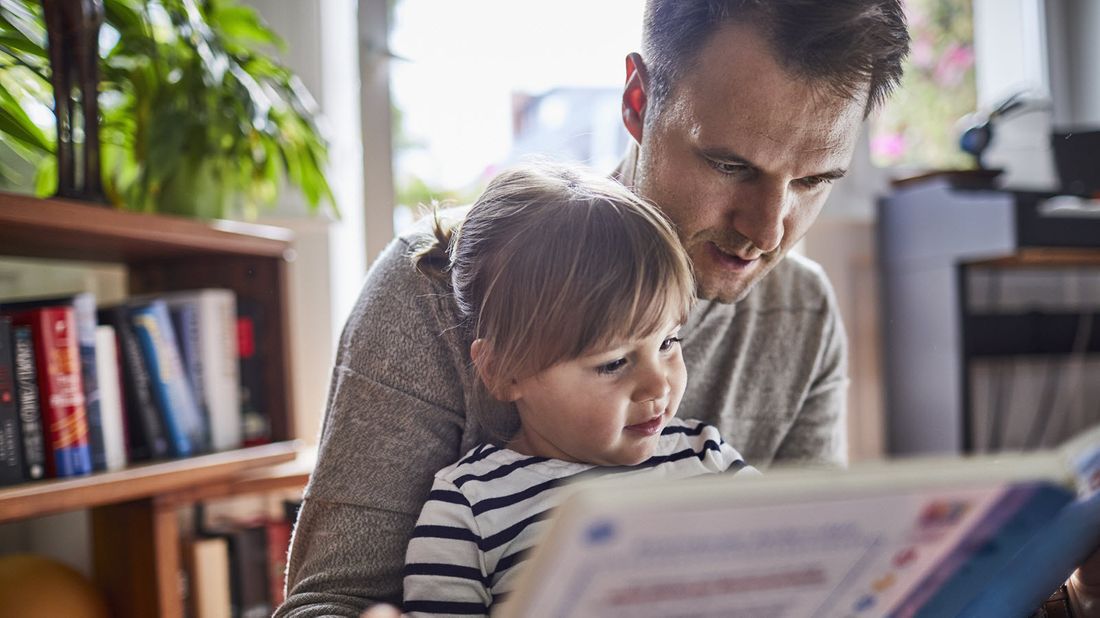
(728, 289)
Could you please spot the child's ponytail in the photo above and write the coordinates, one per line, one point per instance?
(432, 257)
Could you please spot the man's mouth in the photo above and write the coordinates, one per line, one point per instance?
(728, 260)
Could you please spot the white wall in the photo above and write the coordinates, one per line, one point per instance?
(1010, 48)
(1074, 43)
(331, 256)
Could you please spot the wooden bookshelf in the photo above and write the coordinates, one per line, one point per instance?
(65, 229)
(145, 480)
(134, 512)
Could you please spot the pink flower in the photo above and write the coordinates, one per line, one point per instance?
(888, 145)
(953, 65)
(923, 54)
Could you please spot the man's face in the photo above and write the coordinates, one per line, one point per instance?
(740, 156)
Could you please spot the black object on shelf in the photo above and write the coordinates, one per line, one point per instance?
(1077, 157)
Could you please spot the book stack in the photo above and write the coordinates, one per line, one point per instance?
(238, 568)
(86, 388)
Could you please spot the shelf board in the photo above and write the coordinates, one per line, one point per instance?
(161, 478)
(1042, 257)
(67, 229)
(285, 476)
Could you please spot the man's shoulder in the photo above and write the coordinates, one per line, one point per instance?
(796, 283)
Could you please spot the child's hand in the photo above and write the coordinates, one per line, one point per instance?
(382, 611)
(1084, 587)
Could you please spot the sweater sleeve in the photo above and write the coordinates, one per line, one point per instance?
(445, 572)
(393, 418)
(819, 434)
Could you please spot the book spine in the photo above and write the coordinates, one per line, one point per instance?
(60, 388)
(222, 377)
(209, 576)
(185, 322)
(146, 437)
(30, 414)
(180, 413)
(256, 428)
(84, 305)
(278, 545)
(248, 571)
(110, 390)
(11, 446)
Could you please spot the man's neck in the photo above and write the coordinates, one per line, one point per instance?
(624, 172)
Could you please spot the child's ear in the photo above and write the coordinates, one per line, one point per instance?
(481, 353)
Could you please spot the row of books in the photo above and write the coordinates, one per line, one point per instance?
(86, 388)
(238, 569)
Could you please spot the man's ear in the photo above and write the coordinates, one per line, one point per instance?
(481, 353)
(634, 96)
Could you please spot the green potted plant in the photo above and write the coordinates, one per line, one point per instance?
(197, 116)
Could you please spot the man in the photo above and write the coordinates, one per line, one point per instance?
(743, 113)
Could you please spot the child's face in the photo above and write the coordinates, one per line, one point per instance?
(604, 408)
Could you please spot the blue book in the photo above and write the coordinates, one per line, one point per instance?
(185, 321)
(180, 412)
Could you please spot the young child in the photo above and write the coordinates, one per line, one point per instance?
(574, 291)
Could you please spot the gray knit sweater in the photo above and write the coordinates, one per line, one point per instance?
(770, 372)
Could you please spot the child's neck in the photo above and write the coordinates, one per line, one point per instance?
(524, 445)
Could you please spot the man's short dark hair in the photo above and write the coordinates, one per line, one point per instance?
(843, 45)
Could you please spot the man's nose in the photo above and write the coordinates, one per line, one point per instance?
(758, 216)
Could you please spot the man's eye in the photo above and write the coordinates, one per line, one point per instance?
(667, 344)
(612, 367)
(726, 167)
(814, 181)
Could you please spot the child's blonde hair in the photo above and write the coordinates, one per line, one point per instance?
(552, 263)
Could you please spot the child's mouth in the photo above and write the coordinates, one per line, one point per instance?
(649, 427)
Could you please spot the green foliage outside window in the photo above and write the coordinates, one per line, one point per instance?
(916, 128)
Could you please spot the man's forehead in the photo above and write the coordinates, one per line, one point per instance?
(738, 96)
(793, 143)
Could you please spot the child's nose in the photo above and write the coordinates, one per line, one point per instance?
(652, 384)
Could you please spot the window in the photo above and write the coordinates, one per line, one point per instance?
(480, 84)
(917, 126)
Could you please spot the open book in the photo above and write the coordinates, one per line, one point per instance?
(984, 536)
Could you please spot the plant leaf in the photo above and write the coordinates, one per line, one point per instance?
(45, 177)
(15, 122)
(243, 27)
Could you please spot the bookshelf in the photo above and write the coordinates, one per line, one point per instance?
(135, 535)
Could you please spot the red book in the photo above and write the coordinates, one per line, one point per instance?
(60, 389)
(278, 545)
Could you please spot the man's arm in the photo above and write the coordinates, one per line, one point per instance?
(819, 434)
(393, 419)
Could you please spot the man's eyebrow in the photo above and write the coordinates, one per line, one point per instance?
(833, 174)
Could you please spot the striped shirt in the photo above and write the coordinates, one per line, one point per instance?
(485, 512)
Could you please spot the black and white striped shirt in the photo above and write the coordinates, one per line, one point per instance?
(485, 512)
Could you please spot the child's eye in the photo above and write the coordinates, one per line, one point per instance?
(612, 367)
(667, 344)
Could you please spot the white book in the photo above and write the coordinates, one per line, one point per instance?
(219, 366)
(110, 397)
(210, 591)
(985, 536)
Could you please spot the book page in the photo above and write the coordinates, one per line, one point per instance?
(856, 556)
